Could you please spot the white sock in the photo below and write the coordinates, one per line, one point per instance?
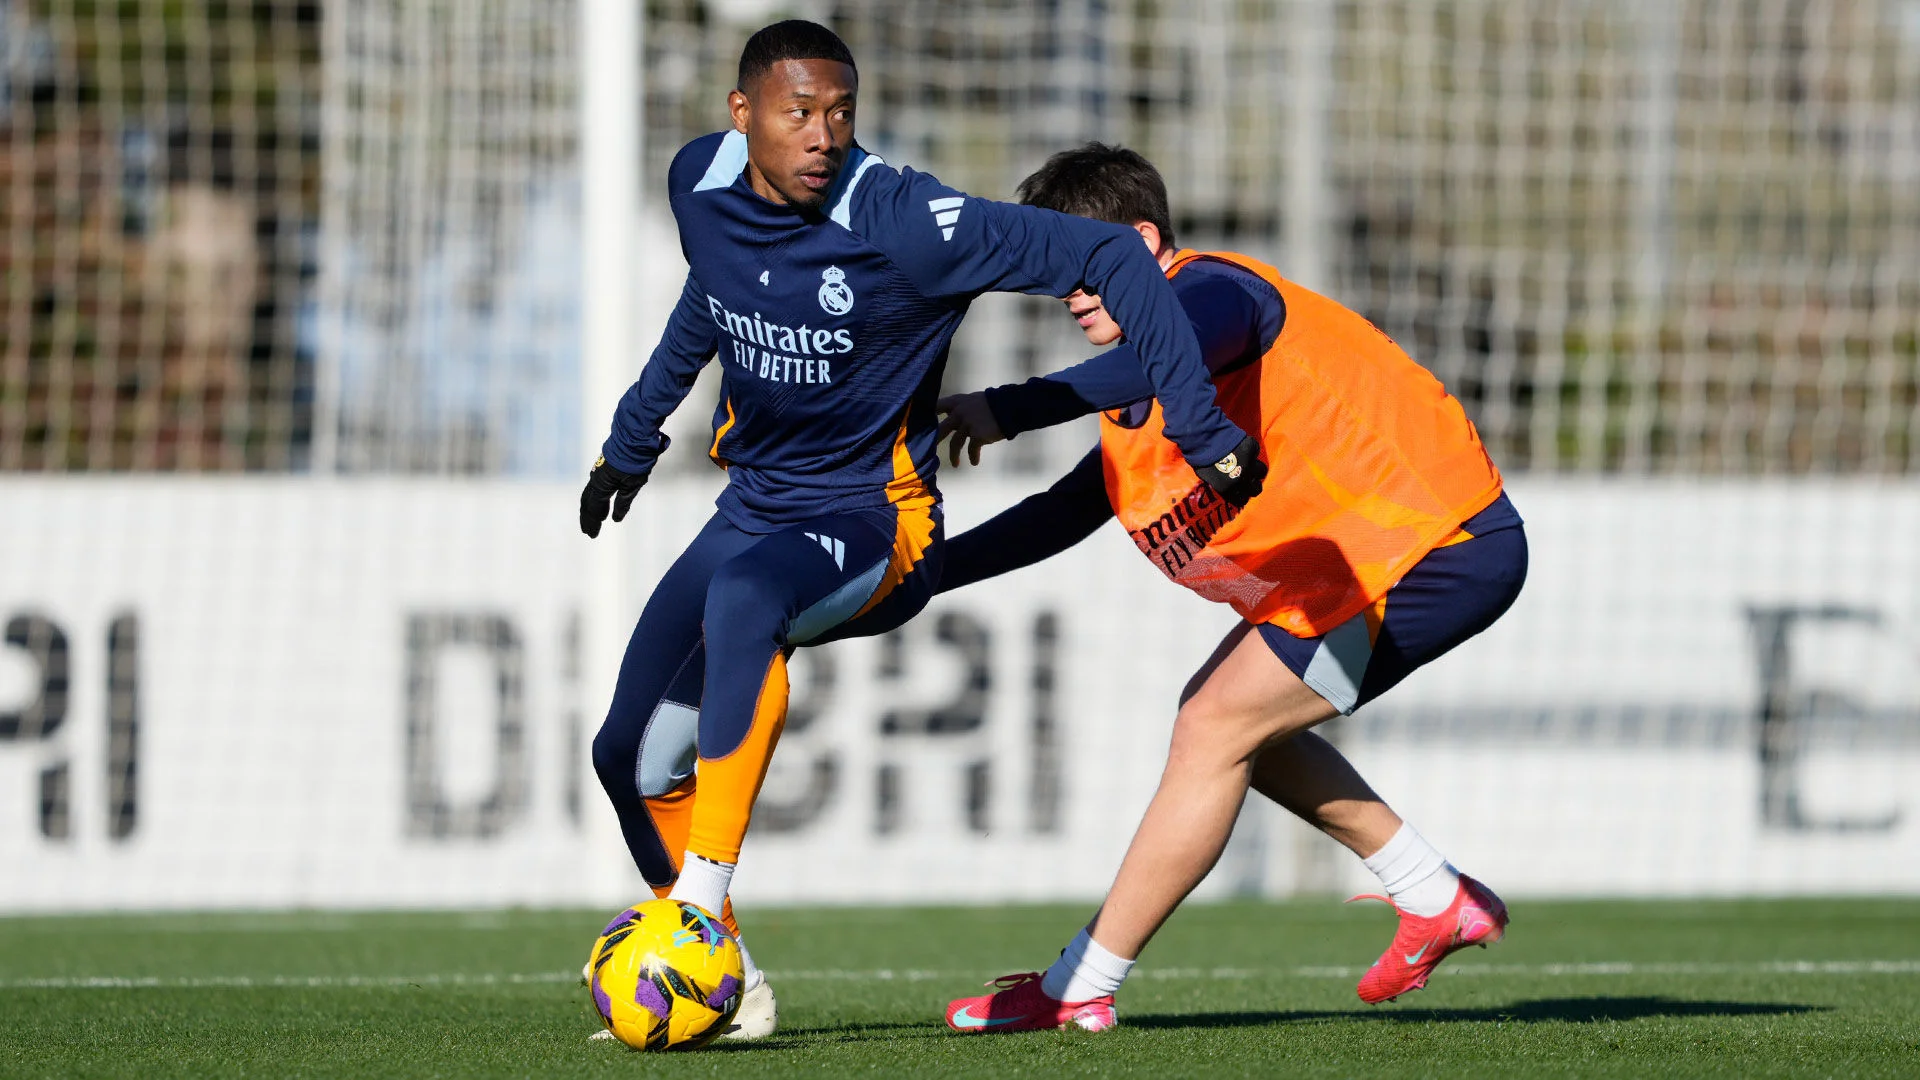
(704, 882)
(1084, 971)
(750, 971)
(1419, 879)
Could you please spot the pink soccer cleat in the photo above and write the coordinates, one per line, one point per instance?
(1476, 917)
(1020, 1005)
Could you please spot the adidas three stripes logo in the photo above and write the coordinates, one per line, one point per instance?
(835, 548)
(945, 212)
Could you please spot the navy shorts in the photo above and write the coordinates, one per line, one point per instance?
(1451, 594)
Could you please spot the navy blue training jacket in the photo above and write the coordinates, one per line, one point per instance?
(832, 327)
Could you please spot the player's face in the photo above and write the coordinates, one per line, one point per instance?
(1086, 309)
(798, 120)
(1091, 314)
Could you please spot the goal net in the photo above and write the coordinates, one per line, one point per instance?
(1666, 254)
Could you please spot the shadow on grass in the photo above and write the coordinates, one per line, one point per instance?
(791, 1038)
(1591, 1010)
(1584, 1010)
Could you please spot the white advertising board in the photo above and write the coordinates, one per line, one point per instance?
(272, 693)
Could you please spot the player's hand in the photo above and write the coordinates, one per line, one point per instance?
(970, 421)
(1239, 476)
(606, 483)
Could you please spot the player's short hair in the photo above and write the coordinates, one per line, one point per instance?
(1106, 183)
(794, 39)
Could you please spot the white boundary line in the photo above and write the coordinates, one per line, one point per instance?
(249, 982)
(253, 982)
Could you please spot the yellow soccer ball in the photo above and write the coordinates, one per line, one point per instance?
(665, 975)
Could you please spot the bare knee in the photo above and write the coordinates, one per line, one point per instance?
(1222, 727)
(1209, 734)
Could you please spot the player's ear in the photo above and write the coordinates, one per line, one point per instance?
(1151, 234)
(741, 108)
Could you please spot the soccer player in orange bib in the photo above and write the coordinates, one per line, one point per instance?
(1383, 539)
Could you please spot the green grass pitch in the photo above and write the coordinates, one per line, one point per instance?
(1604, 989)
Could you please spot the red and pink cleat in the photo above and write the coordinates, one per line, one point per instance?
(1020, 1005)
(1476, 917)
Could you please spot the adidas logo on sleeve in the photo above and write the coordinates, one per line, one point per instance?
(945, 213)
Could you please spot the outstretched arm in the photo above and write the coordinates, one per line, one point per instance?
(1233, 329)
(636, 442)
(1036, 528)
(685, 347)
(955, 247)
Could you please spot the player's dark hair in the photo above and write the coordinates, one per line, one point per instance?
(1106, 183)
(794, 39)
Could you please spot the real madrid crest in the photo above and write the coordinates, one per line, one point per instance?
(835, 296)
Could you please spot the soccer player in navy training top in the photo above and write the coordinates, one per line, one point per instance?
(830, 285)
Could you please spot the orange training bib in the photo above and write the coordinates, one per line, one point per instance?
(1372, 465)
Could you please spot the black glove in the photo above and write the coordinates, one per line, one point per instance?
(606, 482)
(1238, 476)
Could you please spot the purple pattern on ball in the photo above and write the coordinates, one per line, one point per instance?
(728, 987)
(619, 920)
(648, 996)
(602, 1000)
